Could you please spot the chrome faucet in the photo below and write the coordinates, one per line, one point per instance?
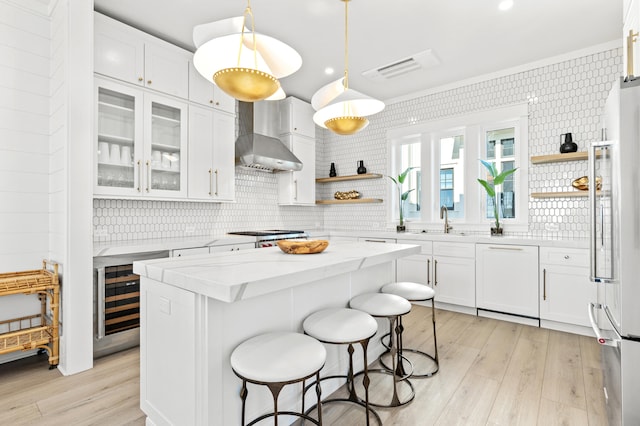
(444, 214)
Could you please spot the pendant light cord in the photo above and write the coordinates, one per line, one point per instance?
(249, 12)
(346, 44)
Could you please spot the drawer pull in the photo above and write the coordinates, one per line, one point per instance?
(505, 248)
(544, 284)
(567, 257)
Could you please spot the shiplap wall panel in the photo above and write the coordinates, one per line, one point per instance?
(24, 147)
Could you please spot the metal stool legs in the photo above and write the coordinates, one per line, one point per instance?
(353, 396)
(275, 389)
(401, 349)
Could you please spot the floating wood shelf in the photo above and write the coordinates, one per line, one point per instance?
(561, 158)
(356, 201)
(564, 194)
(350, 177)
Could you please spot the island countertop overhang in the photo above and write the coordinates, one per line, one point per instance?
(239, 275)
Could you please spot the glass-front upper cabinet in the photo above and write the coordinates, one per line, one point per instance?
(140, 139)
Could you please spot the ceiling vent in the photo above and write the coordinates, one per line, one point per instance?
(422, 60)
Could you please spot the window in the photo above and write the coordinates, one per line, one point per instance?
(446, 188)
(501, 151)
(447, 153)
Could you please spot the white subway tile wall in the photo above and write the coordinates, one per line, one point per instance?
(565, 97)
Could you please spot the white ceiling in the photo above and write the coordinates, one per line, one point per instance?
(470, 37)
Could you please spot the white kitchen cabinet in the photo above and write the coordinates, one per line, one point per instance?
(127, 54)
(211, 154)
(231, 247)
(454, 273)
(189, 251)
(203, 91)
(140, 143)
(416, 268)
(507, 279)
(296, 116)
(299, 187)
(565, 288)
(376, 240)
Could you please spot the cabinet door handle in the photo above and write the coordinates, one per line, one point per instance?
(435, 272)
(544, 284)
(375, 241)
(140, 78)
(139, 176)
(295, 193)
(429, 272)
(210, 182)
(100, 301)
(148, 175)
(148, 81)
(505, 248)
(216, 182)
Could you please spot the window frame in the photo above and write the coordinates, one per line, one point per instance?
(473, 127)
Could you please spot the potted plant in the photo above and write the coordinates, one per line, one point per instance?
(402, 196)
(490, 187)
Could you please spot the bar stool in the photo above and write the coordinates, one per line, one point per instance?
(391, 307)
(345, 326)
(275, 360)
(413, 292)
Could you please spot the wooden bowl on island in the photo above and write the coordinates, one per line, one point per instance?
(302, 246)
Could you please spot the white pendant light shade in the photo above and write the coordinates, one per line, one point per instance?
(247, 71)
(346, 106)
(339, 108)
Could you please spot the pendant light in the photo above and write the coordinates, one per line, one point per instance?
(339, 108)
(244, 64)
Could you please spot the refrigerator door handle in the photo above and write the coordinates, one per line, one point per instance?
(593, 210)
(606, 341)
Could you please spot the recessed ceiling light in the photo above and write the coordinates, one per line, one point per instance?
(505, 5)
(329, 71)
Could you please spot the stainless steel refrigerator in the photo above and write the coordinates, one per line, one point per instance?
(615, 250)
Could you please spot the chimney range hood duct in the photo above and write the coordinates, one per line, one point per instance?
(257, 150)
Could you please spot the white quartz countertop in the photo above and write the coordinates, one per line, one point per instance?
(111, 248)
(238, 275)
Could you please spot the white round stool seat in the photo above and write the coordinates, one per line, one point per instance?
(381, 304)
(278, 357)
(340, 325)
(411, 291)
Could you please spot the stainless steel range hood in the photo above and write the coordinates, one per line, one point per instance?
(257, 147)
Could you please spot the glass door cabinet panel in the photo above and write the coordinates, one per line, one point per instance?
(119, 136)
(140, 141)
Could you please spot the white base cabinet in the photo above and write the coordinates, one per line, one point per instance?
(565, 288)
(454, 273)
(416, 268)
(507, 279)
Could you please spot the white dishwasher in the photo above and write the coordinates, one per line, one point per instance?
(507, 280)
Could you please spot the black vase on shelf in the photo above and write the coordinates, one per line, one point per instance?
(568, 145)
(361, 168)
(332, 171)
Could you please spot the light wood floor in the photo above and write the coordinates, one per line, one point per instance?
(491, 373)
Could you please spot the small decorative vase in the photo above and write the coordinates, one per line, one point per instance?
(361, 168)
(496, 232)
(332, 171)
(569, 145)
(401, 228)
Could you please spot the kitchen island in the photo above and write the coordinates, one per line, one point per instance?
(195, 310)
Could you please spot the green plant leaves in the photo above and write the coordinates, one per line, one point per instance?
(488, 187)
(405, 194)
